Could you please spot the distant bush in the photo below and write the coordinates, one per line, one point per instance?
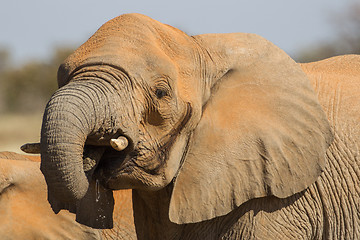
(347, 26)
(28, 87)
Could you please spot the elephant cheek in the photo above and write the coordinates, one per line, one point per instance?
(175, 158)
(131, 176)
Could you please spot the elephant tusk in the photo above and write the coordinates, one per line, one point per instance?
(33, 148)
(120, 143)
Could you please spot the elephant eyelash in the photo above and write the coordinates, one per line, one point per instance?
(162, 88)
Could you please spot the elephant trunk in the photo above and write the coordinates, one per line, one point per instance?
(71, 115)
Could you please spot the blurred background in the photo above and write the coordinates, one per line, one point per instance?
(36, 36)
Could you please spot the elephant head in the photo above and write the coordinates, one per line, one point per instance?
(223, 117)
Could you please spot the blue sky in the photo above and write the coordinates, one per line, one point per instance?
(30, 29)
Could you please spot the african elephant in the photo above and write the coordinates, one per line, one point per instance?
(26, 214)
(220, 136)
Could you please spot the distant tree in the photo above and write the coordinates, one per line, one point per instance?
(347, 26)
(4, 64)
(27, 88)
(4, 59)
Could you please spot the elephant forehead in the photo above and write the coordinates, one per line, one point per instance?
(135, 43)
(141, 66)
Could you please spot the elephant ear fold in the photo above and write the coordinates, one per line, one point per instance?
(262, 133)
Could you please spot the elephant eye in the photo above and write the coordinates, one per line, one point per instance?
(160, 93)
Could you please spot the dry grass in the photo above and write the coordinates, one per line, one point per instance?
(17, 129)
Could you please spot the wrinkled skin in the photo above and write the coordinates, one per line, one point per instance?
(328, 209)
(26, 213)
(227, 136)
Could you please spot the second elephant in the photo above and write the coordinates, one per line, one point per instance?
(26, 213)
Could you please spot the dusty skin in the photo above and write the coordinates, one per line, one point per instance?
(26, 214)
(227, 136)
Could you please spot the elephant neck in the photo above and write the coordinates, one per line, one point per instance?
(151, 215)
(151, 218)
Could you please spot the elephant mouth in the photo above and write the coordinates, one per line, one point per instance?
(135, 166)
(108, 169)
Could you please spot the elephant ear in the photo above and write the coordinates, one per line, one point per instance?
(262, 131)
